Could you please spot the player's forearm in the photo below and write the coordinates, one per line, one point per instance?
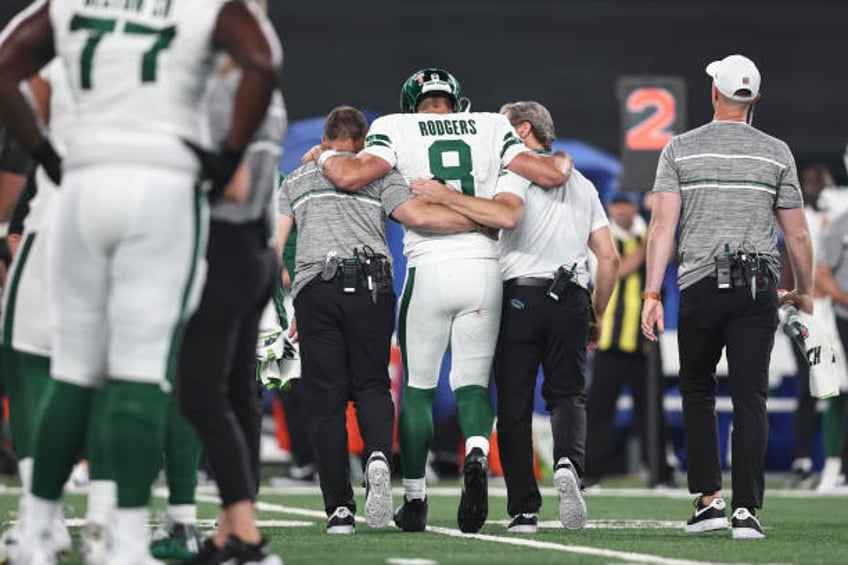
(243, 32)
(439, 219)
(18, 116)
(547, 171)
(346, 173)
(27, 46)
(493, 213)
(251, 103)
(432, 218)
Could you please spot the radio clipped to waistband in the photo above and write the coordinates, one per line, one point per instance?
(562, 277)
(741, 269)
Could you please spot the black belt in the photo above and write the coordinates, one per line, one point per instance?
(528, 281)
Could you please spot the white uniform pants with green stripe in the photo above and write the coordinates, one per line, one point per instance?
(27, 313)
(127, 265)
(456, 303)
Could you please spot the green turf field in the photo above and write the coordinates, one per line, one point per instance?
(625, 526)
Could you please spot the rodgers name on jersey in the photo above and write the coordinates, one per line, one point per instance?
(465, 150)
(449, 127)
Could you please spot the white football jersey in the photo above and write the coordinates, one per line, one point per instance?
(137, 69)
(466, 150)
(61, 112)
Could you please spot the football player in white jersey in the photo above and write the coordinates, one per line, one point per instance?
(26, 310)
(452, 292)
(130, 227)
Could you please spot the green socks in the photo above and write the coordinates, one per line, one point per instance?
(832, 426)
(415, 425)
(59, 435)
(136, 414)
(182, 455)
(415, 430)
(475, 412)
(27, 377)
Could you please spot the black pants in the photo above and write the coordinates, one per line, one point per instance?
(217, 387)
(804, 421)
(535, 329)
(610, 370)
(709, 321)
(345, 343)
(842, 328)
(296, 411)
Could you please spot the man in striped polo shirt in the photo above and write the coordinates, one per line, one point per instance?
(727, 183)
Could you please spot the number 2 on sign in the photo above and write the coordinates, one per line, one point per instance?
(650, 133)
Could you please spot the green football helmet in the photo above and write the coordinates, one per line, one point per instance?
(427, 82)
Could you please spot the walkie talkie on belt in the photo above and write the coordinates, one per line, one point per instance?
(723, 280)
(562, 277)
(350, 273)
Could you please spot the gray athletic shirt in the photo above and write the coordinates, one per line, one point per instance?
(329, 220)
(732, 179)
(833, 252)
(262, 154)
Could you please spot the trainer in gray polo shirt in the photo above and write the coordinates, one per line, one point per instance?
(729, 185)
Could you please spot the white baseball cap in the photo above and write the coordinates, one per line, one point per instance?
(735, 73)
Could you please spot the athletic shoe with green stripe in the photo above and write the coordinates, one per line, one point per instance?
(175, 541)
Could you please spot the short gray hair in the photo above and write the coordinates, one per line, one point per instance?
(541, 123)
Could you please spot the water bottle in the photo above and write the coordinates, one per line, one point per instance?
(795, 328)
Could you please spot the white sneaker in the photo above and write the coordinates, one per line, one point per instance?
(572, 507)
(9, 543)
(35, 555)
(78, 480)
(841, 486)
(62, 542)
(94, 543)
(119, 557)
(829, 475)
(378, 491)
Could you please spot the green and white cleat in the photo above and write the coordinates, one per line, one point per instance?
(175, 541)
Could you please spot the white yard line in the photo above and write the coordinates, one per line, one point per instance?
(500, 492)
(627, 556)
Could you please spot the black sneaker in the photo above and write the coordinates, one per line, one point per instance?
(709, 517)
(746, 525)
(341, 521)
(524, 524)
(209, 554)
(411, 516)
(474, 504)
(242, 553)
